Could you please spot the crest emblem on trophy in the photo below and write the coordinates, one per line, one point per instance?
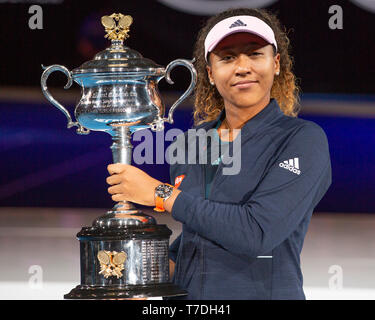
(111, 263)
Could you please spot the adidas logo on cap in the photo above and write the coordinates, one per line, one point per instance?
(291, 165)
(237, 23)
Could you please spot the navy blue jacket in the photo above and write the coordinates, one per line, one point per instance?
(245, 240)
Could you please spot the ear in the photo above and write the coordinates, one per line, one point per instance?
(277, 62)
(209, 73)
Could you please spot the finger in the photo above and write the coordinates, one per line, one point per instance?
(114, 179)
(115, 189)
(116, 168)
(118, 197)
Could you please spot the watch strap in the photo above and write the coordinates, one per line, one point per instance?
(159, 202)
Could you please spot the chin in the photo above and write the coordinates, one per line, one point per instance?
(246, 103)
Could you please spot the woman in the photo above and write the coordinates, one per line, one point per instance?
(242, 233)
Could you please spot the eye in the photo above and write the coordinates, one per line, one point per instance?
(255, 53)
(227, 57)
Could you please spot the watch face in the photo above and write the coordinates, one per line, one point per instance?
(163, 191)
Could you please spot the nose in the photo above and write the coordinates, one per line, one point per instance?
(243, 65)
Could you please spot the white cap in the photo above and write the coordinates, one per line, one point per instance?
(238, 24)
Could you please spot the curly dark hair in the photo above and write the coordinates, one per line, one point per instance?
(208, 101)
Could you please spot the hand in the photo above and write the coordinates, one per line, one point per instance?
(131, 184)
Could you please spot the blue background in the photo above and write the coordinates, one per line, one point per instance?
(45, 164)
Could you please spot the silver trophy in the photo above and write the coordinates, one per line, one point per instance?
(124, 254)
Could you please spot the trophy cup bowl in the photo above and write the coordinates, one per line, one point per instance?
(124, 254)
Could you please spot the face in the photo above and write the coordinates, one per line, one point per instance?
(242, 67)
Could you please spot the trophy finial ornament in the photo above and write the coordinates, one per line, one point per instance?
(117, 26)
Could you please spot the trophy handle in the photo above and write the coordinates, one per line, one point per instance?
(188, 64)
(159, 123)
(43, 81)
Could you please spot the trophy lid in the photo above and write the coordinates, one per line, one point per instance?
(119, 58)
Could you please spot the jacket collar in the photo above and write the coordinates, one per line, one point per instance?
(267, 115)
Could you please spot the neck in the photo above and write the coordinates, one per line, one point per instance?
(236, 117)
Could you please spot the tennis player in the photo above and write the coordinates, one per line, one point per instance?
(242, 232)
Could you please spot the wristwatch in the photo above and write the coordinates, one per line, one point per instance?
(162, 193)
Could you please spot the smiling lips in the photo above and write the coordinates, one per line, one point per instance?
(244, 84)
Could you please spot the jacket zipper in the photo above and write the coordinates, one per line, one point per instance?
(203, 167)
(201, 243)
